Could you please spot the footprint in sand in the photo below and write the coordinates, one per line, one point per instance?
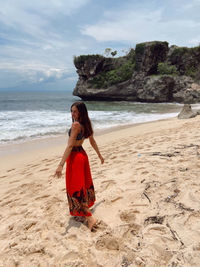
(10, 170)
(130, 231)
(43, 196)
(133, 181)
(128, 216)
(120, 161)
(69, 257)
(24, 172)
(48, 164)
(11, 202)
(123, 155)
(106, 184)
(141, 168)
(107, 241)
(162, 237)
(156, 229)
(72, 237)
(119, 172)
(29, 224)
(139, 147)
(113, 157)
(51, 205)
(193, 220)
(144, 172)
(45, 160)
(6, 203)
(35, 165)
(44, 170)
(100, 226)
(63, 189)
(15, 181)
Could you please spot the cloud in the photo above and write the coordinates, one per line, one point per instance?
(41, 9)
(37, 18)
(126, 26)
(35, 40)
(39, 38)
(195, 41)
(192, 4)
(139, 24)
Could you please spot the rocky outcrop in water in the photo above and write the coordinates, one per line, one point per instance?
(152, 72)
(186, 112)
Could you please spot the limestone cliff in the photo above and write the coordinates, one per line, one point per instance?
(152, 72)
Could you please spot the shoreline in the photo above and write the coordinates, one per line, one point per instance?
(55, 138)
(15, 145)
(21, 154)
(57, 135)
(45, 143)
(20, 133)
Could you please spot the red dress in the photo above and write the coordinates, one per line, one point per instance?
(79, 185)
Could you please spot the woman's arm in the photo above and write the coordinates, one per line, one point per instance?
(72, 139)
(94, 145)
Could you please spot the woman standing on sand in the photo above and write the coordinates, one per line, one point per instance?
(80, 188)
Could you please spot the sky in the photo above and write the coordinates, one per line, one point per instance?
(38, 39)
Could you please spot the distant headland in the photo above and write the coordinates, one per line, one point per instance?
(152, 72)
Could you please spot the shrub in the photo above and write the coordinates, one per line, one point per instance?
(106, 79)
(139, 49)
(131, 55)
(80, 60)
(165, 68)
(191, 72)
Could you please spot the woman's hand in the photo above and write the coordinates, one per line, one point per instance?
(101, 159)
(58, 171)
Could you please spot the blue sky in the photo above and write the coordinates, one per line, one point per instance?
(39, 38)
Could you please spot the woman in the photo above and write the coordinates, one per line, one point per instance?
(80, 188)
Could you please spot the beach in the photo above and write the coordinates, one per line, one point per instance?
(147, 200)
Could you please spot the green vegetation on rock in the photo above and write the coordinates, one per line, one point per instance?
(80, 60)
(122, 71)
(106, 79)
(186, 60)
(149, 54)
(165, 68)
(139, 49)
(191, 71)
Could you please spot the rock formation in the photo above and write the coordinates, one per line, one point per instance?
(186, 112)
(138, 76)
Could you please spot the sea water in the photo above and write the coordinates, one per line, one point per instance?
(26, 115)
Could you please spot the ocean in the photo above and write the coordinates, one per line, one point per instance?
(31, 114)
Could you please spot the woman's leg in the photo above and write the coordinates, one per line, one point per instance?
(91, 222)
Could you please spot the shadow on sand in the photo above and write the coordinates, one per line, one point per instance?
(78, 221)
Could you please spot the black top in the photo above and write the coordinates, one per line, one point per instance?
(79, 135)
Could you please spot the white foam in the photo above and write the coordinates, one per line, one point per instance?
(17, 126)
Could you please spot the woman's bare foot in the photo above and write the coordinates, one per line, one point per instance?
(91, 222)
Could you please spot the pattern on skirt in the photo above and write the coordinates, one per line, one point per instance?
(80, 202)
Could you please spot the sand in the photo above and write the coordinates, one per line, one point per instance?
(147, 201)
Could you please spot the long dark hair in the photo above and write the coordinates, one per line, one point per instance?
(83, 118)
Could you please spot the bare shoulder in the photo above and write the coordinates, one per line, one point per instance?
(76, 126)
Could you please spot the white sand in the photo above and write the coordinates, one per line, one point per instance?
(147, 198)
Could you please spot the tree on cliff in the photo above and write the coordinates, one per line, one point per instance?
(114, 53)
(108, 52)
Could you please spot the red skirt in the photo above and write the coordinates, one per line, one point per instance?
(79, 185)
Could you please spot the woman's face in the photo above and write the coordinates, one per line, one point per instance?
(75, 113)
